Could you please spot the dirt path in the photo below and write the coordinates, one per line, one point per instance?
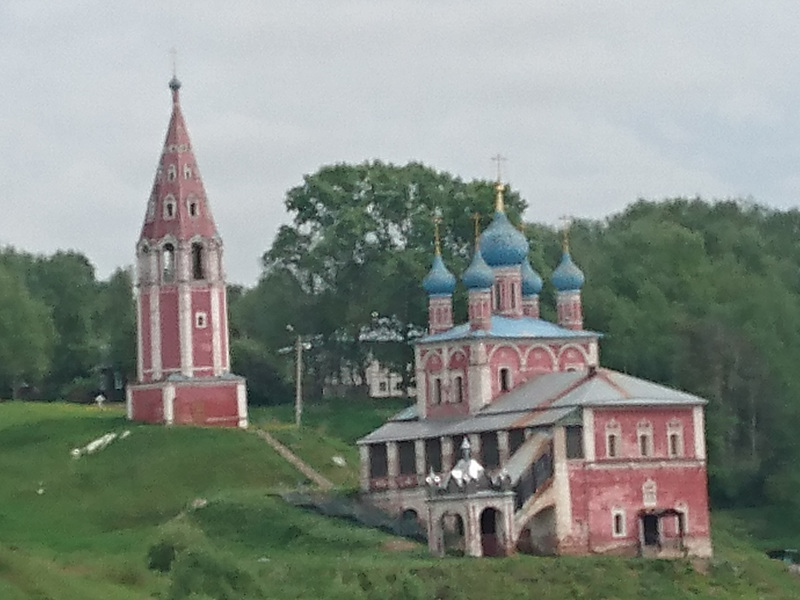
(295, 460)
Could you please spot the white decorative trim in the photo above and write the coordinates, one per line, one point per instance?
(699, 433)
(649, 493)
(185, 325)
(129, 402)
(241, 404)
(139, 337)
(216, 330)
(155, 332)
(588, 435)
(168, 396)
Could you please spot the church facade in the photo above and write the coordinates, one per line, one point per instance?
(183, 361)
(558, 455)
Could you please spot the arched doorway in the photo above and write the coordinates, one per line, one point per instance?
(491, 532)
(452, 531)
(408, 524)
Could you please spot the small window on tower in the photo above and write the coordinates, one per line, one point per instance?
(200, 320)
(169, 207)
(187, 172)
(172, 173)
(198, 268)
(193, 208)
(168, 263)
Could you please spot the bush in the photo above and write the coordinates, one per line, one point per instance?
(201, 573)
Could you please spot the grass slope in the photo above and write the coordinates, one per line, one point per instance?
(89, 533)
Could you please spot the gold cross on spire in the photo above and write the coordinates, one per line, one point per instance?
(499, 203)
(565, 225)
(436, 241)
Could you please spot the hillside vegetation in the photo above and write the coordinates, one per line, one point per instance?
(202, 505)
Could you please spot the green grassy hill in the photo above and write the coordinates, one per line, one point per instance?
(204, 504)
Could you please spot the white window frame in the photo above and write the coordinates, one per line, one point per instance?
(614, 430)
(618, 513)
(675, 428)
(650, 493)
(644, 429)
(200, 320)
(187, 171)
(169, 201)
(172, 173)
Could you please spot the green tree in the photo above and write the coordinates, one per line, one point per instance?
(360, 243)
(26, 335)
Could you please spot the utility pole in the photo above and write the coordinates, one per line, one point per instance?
(298, 381)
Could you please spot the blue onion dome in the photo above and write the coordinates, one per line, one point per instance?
(567, 277)
(531, 280)
(478, 275)
(502, 245)
(439, 281)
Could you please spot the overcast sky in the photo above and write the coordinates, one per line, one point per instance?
(595, 104)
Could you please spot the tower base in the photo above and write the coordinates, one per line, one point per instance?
(204, 401)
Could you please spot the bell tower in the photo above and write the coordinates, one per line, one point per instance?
(183, 362)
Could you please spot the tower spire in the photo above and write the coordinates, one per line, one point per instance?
(174, 83)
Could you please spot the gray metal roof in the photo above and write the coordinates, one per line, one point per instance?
(544, 400)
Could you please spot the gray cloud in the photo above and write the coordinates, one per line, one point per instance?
(594, 104)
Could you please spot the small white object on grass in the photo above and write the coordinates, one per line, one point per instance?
(339, 461)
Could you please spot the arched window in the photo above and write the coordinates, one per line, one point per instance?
(505, 379)
(198, 265)
(168, 262)
(172, 173)
(613, 432)
(458, 389)
(644, 433)
(194, 209)
(169, 207)
(187, 172)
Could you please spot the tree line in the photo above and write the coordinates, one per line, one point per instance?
(701, 296)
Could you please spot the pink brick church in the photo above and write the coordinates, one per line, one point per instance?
(183, 362)
(520, 440)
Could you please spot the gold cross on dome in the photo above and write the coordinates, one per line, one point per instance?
(499, 159)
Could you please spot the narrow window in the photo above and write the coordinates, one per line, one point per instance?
(505, 379)
(611, 441)
(187, 172)
(378, 465)
(513, 295)
(168, 262)
(433, 455)
(574, 441)
(490, 450)
(496, 296)
(644, 433)
(198, 270)
(193, 208)
(200, 320)
(618, 523)
(674, 448)
(172, 173)
(408, 457)
(437, 390)
(458, 390)
(675, 438)
(169, 207)
(382, 386)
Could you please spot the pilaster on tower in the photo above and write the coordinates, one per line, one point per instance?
(183, 361)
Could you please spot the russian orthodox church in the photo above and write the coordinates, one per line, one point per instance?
(183, 361)
(558, 454)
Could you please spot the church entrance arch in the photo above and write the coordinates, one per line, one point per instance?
(452, 531)
(491, 532)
